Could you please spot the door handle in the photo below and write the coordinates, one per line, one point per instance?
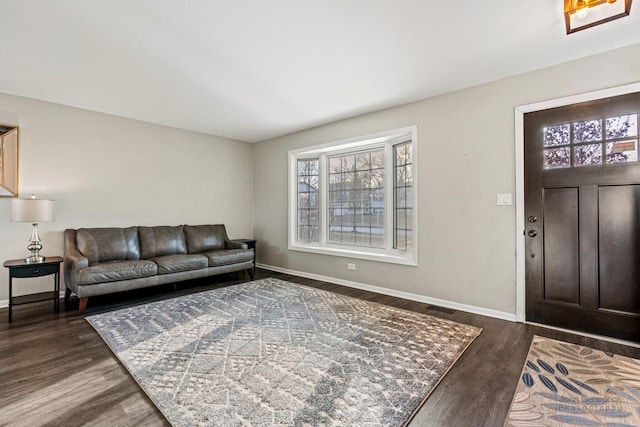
(532, 233)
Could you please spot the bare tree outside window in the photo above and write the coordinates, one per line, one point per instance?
(403, 193)
(308, 207)
(356, 199)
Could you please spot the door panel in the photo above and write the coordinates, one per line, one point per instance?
(561, 243)
(619, 235)
(582, 204)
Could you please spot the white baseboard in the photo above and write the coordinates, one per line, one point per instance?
(394, 293)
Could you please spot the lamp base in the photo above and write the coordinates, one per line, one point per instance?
(34, 247)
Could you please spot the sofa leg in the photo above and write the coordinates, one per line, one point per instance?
(82, 305)
(250, 271)
(67, 294)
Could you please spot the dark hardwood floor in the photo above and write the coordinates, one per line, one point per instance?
(56, 371)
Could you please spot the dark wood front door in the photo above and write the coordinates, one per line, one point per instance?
(582, 213)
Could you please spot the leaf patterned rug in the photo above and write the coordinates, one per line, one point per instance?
(565, 384)
(270, 353)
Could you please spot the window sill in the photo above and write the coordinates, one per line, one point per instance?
(354, 253)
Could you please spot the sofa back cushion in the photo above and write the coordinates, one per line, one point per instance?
(203, 238)
(108, 244)
(161, 240)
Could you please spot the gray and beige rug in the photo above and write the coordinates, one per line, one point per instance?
(565, 384)
(270, 353)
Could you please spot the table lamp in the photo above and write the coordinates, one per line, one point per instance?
(34, 211)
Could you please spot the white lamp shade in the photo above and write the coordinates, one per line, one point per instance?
(32, 210)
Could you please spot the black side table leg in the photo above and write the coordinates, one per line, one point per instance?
(10, 295)
(56, 301)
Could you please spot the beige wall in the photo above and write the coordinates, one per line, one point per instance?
(466, 156)
(108, 171)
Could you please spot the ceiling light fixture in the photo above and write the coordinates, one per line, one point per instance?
(582, 14)
(582, 9)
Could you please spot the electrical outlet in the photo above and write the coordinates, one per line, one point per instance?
(351, 266)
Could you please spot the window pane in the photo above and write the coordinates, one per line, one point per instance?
(335, 165)
(313, 182)
(313, 233)
(622, 151)
(556, 135)
(363, 161)
(377, 178)
(348, 163)
(363, 223)
(377, 160)
(351, 197)
(588, 130)
(403, 175)
(363, 179)
(308, 185)
(302, 168)
(401, 218)
(556, 158)
(303, 217)
(587, 155)
(403, 154)
(303, 200)
(363, 237)
(622, 126)
(403, 195)
(303, 233)
(348, 234)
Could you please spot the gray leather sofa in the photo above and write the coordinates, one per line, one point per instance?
(100, 261)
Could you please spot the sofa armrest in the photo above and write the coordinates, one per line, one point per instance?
(73, 258)
(233, 244)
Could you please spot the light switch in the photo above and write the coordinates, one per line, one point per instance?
(504, 200)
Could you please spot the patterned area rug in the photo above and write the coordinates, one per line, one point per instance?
(566, 384)
(270, 352)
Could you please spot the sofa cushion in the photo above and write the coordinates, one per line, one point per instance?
(162, 240)
(111, 271)
(108, 244)
(176, 263)
(228, 256)
(203, 238)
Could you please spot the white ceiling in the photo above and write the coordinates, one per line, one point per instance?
(256, 69)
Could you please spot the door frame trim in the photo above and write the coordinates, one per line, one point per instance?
(519, 113)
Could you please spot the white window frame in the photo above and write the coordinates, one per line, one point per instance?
(383, 139)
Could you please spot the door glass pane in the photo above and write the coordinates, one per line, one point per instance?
(587, 155)
(588, 130)
(622, 151)
(622, 126)
(556, 158)
(617, 136)
(556, 135)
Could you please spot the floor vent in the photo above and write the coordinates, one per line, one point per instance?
(441, 309)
